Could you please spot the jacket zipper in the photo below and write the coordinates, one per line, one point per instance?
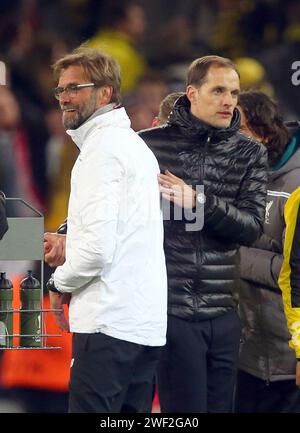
(203, 159)
(200, 240)
(262, 340)
(202, 174)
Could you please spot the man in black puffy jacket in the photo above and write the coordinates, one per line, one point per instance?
(200, 147)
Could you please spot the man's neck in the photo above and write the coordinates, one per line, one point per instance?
(102, 110)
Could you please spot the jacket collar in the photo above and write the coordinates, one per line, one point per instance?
(193, 127)
(105, 116)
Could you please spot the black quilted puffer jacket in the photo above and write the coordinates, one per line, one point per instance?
(203, 265)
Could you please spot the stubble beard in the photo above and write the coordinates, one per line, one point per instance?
(81, 114)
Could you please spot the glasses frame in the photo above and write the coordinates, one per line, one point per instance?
(70, 88)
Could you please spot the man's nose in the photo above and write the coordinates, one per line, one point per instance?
(64, 97)
(228, 99)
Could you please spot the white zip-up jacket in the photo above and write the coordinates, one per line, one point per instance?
(115, 264)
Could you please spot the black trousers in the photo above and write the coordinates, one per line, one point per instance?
(109, 375)
(197, 369)
(254, 395)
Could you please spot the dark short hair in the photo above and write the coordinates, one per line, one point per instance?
(100, 68)
(264, 119)
(199, 68)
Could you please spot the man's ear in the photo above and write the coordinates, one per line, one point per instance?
(105, 95)
(191, 93)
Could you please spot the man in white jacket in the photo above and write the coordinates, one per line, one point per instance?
(114, 270)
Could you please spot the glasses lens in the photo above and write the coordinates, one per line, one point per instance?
(57, 91)
(71, 90)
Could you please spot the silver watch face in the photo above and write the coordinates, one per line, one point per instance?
(201, 198)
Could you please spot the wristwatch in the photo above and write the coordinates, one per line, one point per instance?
(51, 286)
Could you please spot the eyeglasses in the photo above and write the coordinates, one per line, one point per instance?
(71, 89)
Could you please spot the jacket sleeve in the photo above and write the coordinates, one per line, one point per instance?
(241, 222)
(295, 265)
(260, 266)
(3, 219)
(63, 228)
(289, 278)
(98, 188)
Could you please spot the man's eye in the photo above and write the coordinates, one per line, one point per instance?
(72, 88)
(218, 91)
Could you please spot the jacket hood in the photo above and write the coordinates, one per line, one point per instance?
(292, 164)
(113, 118)
(193, 127)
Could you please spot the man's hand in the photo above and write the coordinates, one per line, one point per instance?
(54, 249)
(57, 300)
(176, 190)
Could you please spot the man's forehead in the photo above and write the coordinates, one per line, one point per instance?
(72, 73)
(222, 76)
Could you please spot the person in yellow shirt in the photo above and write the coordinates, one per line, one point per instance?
(125, 23)
(289, 278)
